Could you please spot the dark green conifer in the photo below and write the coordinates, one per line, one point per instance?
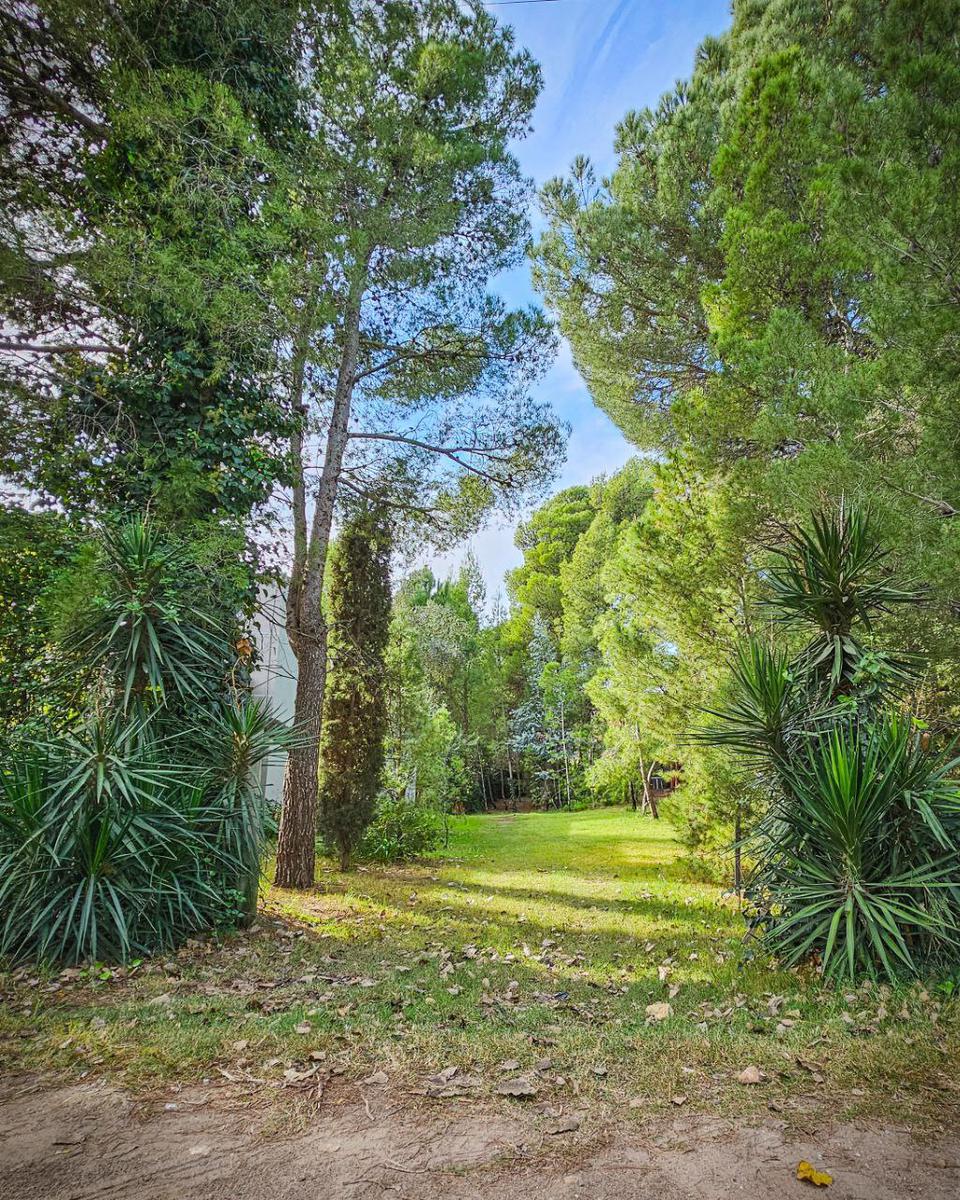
(355, 713)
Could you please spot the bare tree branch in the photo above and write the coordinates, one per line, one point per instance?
(451, 452)
(58, 347)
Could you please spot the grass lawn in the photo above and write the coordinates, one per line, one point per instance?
(529, 949)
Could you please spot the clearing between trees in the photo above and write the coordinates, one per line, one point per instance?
(555, 1006)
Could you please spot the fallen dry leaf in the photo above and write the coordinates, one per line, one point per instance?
(810, 1174)
(659, 1011)
(519, 1088)
(678, 1100)
(566, 1125)
(750, 1075)
(810, 1069)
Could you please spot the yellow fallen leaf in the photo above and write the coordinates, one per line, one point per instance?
(809, 1172)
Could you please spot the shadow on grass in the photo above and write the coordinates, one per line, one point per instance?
(568, 922)
(648, 906)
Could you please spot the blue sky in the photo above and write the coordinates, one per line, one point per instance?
(600, 58)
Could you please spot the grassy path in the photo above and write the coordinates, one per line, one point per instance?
(529, 952)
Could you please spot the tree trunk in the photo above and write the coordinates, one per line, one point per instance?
(296, 842)
(306, 628)
(632, 788)
(649, 802)
(566, 761)
(651, 799)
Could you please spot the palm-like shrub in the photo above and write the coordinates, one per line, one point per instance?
(139, 821)
(237, 736)
(142, 629)
(103, 853)
(856, 859)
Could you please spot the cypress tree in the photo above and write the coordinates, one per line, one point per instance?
(355, 716)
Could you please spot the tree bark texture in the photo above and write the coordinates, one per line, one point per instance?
(306, 627)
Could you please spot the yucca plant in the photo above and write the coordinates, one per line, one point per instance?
(857, 860)
(833, 580)
(138, 822)
(104, 851)
(859, 854)
(141, 629)
(237, 737)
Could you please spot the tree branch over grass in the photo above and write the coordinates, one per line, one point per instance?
(417, 205)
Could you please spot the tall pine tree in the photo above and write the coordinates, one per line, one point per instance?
(413, 379)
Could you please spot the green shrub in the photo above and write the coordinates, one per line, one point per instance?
(355, 706)
(128, 827)
(102, 853)
(401, 829)
(860, 857)
(34, 548)
(857, 860)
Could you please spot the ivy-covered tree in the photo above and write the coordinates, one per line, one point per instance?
(355, 723)
(140, 155)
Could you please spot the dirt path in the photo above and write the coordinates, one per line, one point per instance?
(92, 1142)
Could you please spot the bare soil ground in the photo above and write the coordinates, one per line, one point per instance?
(91, 1141)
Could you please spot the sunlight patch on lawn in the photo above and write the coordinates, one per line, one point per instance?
(537, 935)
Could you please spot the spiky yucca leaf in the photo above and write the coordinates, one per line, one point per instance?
(859, 860)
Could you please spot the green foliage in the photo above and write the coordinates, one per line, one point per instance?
(732, 316)
(234, 739)
(34, 548)
(401, 829)
(857, 857)
(354, 725)
(149, 377)
(447, 711)
(540, 726)
(136, 820)
(547, 540)
(103, 853)
(140, 628)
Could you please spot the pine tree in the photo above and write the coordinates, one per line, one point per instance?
(351, 755)
(414, 377)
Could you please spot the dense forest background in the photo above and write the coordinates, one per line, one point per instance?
(763, 296)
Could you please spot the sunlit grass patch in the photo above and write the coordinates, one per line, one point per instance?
(535, 939)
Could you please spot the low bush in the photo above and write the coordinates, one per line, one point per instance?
(136, 819)
(857, 859)
(401, 829)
